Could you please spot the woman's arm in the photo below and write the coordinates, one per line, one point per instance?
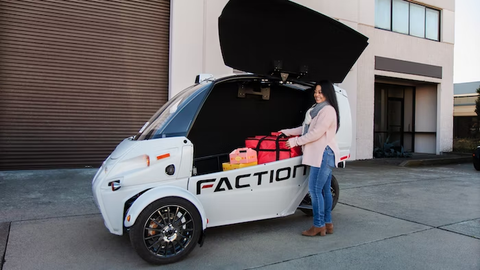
(318, 127)
(292, 131)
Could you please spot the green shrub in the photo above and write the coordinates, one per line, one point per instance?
(465, 145)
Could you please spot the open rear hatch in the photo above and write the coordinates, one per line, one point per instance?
(279, 36)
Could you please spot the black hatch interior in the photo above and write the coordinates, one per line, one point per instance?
(275, 36)
(226, 120)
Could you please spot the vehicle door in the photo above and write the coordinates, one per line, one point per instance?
(252, 193)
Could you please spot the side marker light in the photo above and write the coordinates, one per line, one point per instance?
(163, 156)
(147, 159)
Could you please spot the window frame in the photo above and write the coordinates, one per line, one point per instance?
(409, 26)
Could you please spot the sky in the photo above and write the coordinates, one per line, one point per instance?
(467, 41)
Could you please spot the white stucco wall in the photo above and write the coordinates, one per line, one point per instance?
(213, 57)
(425, 143)
(186, 43)
(194, 45)
(194, 49)
(426, 108)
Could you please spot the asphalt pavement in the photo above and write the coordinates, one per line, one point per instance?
(390, 216)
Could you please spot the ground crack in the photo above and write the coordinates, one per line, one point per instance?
(4, 230)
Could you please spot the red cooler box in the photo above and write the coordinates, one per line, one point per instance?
(272, 148)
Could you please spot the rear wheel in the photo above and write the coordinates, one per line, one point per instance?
(166, 230)
(306, 204)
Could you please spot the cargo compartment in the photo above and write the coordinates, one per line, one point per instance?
(235, 110)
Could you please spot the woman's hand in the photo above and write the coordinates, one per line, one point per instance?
(292, 142)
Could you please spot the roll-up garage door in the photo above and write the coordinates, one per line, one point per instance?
(77, 77)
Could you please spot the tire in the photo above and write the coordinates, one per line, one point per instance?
(166, 231)
(476, 164)
(306, 204)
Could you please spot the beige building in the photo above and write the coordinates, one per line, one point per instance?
(401, 88)
(77, 77)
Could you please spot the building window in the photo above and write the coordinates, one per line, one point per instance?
(432, 24)
(400, 16)
(383, 14)
(407, 18)
(417, 20)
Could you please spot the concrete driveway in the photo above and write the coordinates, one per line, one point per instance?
(388, 217)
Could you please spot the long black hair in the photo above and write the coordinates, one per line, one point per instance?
(328, 92)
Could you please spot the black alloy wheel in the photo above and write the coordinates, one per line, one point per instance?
(306, 204)
(166, 231)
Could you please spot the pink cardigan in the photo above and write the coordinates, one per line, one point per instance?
(321, 133)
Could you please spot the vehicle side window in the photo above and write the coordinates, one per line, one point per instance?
(182, 122)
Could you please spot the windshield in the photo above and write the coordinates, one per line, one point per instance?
(155, 125)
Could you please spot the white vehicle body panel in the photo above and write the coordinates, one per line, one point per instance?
(128, 165)
(344, 133)
(265, 191)
(162, 192)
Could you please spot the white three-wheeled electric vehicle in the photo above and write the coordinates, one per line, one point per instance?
(165, 185)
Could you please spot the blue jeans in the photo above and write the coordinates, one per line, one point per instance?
(319, 187)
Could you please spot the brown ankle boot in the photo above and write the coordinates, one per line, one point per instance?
(329, 227)
(313, 231)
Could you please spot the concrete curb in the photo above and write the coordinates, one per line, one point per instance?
(435, 161)
(4, 232)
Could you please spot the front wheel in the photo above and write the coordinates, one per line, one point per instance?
(166, 231)
(306, 204)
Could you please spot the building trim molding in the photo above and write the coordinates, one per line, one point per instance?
(400, 66)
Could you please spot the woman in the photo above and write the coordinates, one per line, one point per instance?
(320, 152)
